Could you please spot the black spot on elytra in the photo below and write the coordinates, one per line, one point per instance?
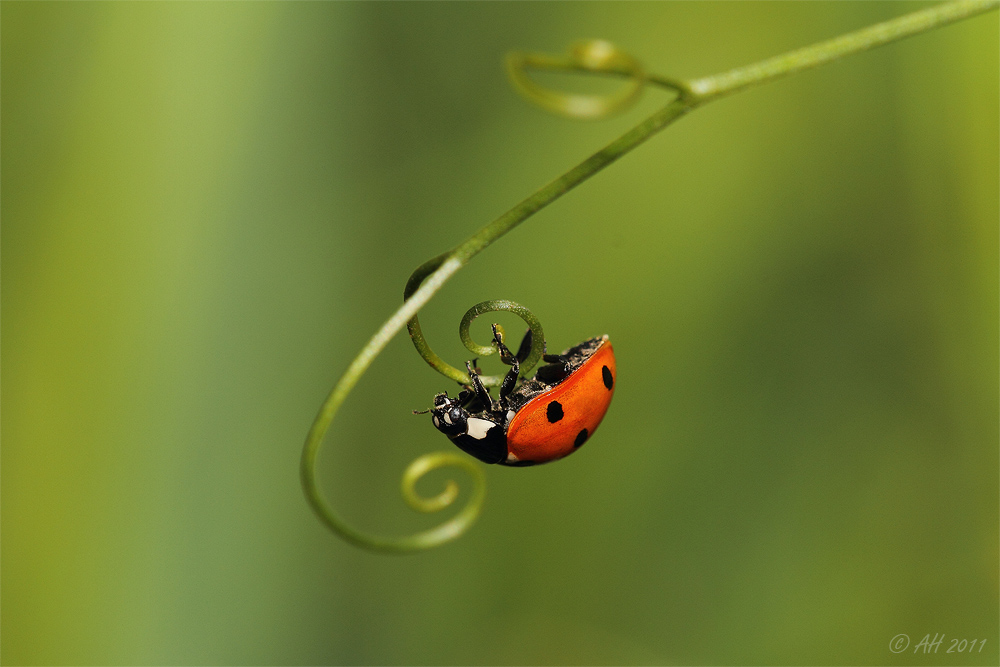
(554, 412)
(581, 438)
(609, 381)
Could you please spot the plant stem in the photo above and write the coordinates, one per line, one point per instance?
(431, 276)
(700, 91)
(741, 78)
(578, 174)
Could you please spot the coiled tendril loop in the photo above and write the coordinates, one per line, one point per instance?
(496, 305)
(428, 462)
(597, 56)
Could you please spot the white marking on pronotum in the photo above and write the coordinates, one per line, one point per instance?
(477, 428)
(437, 423)
(447, 419)
(510, 415)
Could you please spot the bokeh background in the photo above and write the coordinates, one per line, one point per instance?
(209, 208)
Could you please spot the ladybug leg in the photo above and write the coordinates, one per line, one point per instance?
(509, 380)
(467, 399)
(555, 370)
(481, 392)
(525, 349)
(507, 386)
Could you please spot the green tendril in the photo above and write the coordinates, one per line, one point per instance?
(596, 57)
(413, 324)
(429, 462)
(537, 335)
(499, 305)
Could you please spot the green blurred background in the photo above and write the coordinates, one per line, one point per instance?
(208, 208)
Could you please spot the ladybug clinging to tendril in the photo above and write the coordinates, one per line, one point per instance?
(539, 420)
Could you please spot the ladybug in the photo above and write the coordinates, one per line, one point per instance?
(539, 420)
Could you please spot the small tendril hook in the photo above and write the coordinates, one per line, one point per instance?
(596, 56)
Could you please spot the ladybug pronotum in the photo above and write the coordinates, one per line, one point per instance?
(539, 420)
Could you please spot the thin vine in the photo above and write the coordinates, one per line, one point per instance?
(595, 57)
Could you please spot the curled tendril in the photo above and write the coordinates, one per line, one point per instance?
(537, 335)
(446, 369)
(601, 58)
(433, 537)
(494, 306)
(595, 56)
(428, 462)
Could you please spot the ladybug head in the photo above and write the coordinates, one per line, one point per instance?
(448, 415)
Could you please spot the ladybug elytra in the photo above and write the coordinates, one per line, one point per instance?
(543, 418)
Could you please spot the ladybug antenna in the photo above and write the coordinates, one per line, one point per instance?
(439, 400)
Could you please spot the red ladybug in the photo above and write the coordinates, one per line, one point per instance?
(544, 418)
